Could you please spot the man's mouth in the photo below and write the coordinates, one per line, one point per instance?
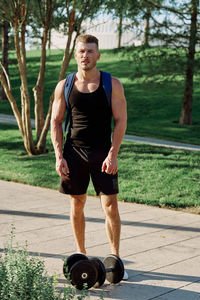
(85, 62)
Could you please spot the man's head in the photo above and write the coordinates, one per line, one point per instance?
(87, 39)
(87, 52)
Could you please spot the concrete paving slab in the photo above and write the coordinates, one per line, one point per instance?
(54, 246)
(158, 258)
(37, 235)
(183, 294)
(152, 241)
(11, 217)
(160, 248)
(23, 226)
(193, 243)
(190, 291)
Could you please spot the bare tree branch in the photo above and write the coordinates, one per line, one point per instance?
(6, 75)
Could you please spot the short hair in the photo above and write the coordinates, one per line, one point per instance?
(87, 38)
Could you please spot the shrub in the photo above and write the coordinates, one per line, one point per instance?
(24, 278)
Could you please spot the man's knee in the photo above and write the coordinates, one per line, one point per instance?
(77, 203)
(110, 205)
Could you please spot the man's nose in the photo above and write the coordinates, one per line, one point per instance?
(85, 54)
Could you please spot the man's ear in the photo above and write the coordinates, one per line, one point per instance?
(98, 56)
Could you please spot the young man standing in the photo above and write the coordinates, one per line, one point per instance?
(88, 150)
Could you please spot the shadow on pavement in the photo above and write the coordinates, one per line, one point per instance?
(97, 220)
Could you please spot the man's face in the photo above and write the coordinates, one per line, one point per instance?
(86, 55)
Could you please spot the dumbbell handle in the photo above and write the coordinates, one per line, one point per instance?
(109, 269)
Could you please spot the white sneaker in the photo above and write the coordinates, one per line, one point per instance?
(125, 276)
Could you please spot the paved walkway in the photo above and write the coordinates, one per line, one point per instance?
(8, 119)
(160, 248)
(161, 143)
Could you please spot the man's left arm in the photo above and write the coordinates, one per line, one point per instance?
(120, 117)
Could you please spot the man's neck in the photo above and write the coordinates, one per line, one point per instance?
(90, 75)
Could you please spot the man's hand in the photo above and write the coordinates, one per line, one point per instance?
(109, 165)
(62, 168)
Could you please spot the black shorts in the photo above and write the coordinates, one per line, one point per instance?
(82, 164)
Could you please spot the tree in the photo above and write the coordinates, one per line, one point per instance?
(186, 113)
(18, 13)
(15, 12)
(120, 10)
(179, 29)
(145, 18)
(138, 13)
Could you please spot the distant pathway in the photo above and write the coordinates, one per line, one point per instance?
(162, 143)
(9, 119)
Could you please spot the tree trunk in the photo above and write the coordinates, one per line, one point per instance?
(186, 113)
(67, 55)
(25, 97)
(4, 34)
(12, 102)
(39, 88)
(49, 39)
(147, 28)
(41, 144)
(120, 29)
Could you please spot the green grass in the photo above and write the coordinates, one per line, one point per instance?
(147, 174)
(153, 80)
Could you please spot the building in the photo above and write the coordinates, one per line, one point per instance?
(105, 31)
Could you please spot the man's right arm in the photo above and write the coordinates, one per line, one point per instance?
(57, 117)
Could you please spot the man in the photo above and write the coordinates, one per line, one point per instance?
(88, 150)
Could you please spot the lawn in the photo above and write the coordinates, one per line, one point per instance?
(153, 83)
(147, 174)
(154, 87)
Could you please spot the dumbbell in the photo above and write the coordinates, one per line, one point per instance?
(111, 268)
(93, 272)
(81, 271)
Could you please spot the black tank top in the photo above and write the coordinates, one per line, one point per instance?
(90, 119)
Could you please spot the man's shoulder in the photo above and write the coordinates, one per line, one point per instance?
(60, 84)
(60, 87)
(116, 82)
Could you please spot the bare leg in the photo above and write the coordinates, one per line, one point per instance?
(78, 221)
(113, 225)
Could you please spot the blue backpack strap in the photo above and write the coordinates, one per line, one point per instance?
(107, 85)
(67, 90)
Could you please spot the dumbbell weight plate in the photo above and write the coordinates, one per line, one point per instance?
(115, 263)
(71, 260)
(83, 272)
(100, 271)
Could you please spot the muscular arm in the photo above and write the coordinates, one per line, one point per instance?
(120, 116)
(57, 117)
